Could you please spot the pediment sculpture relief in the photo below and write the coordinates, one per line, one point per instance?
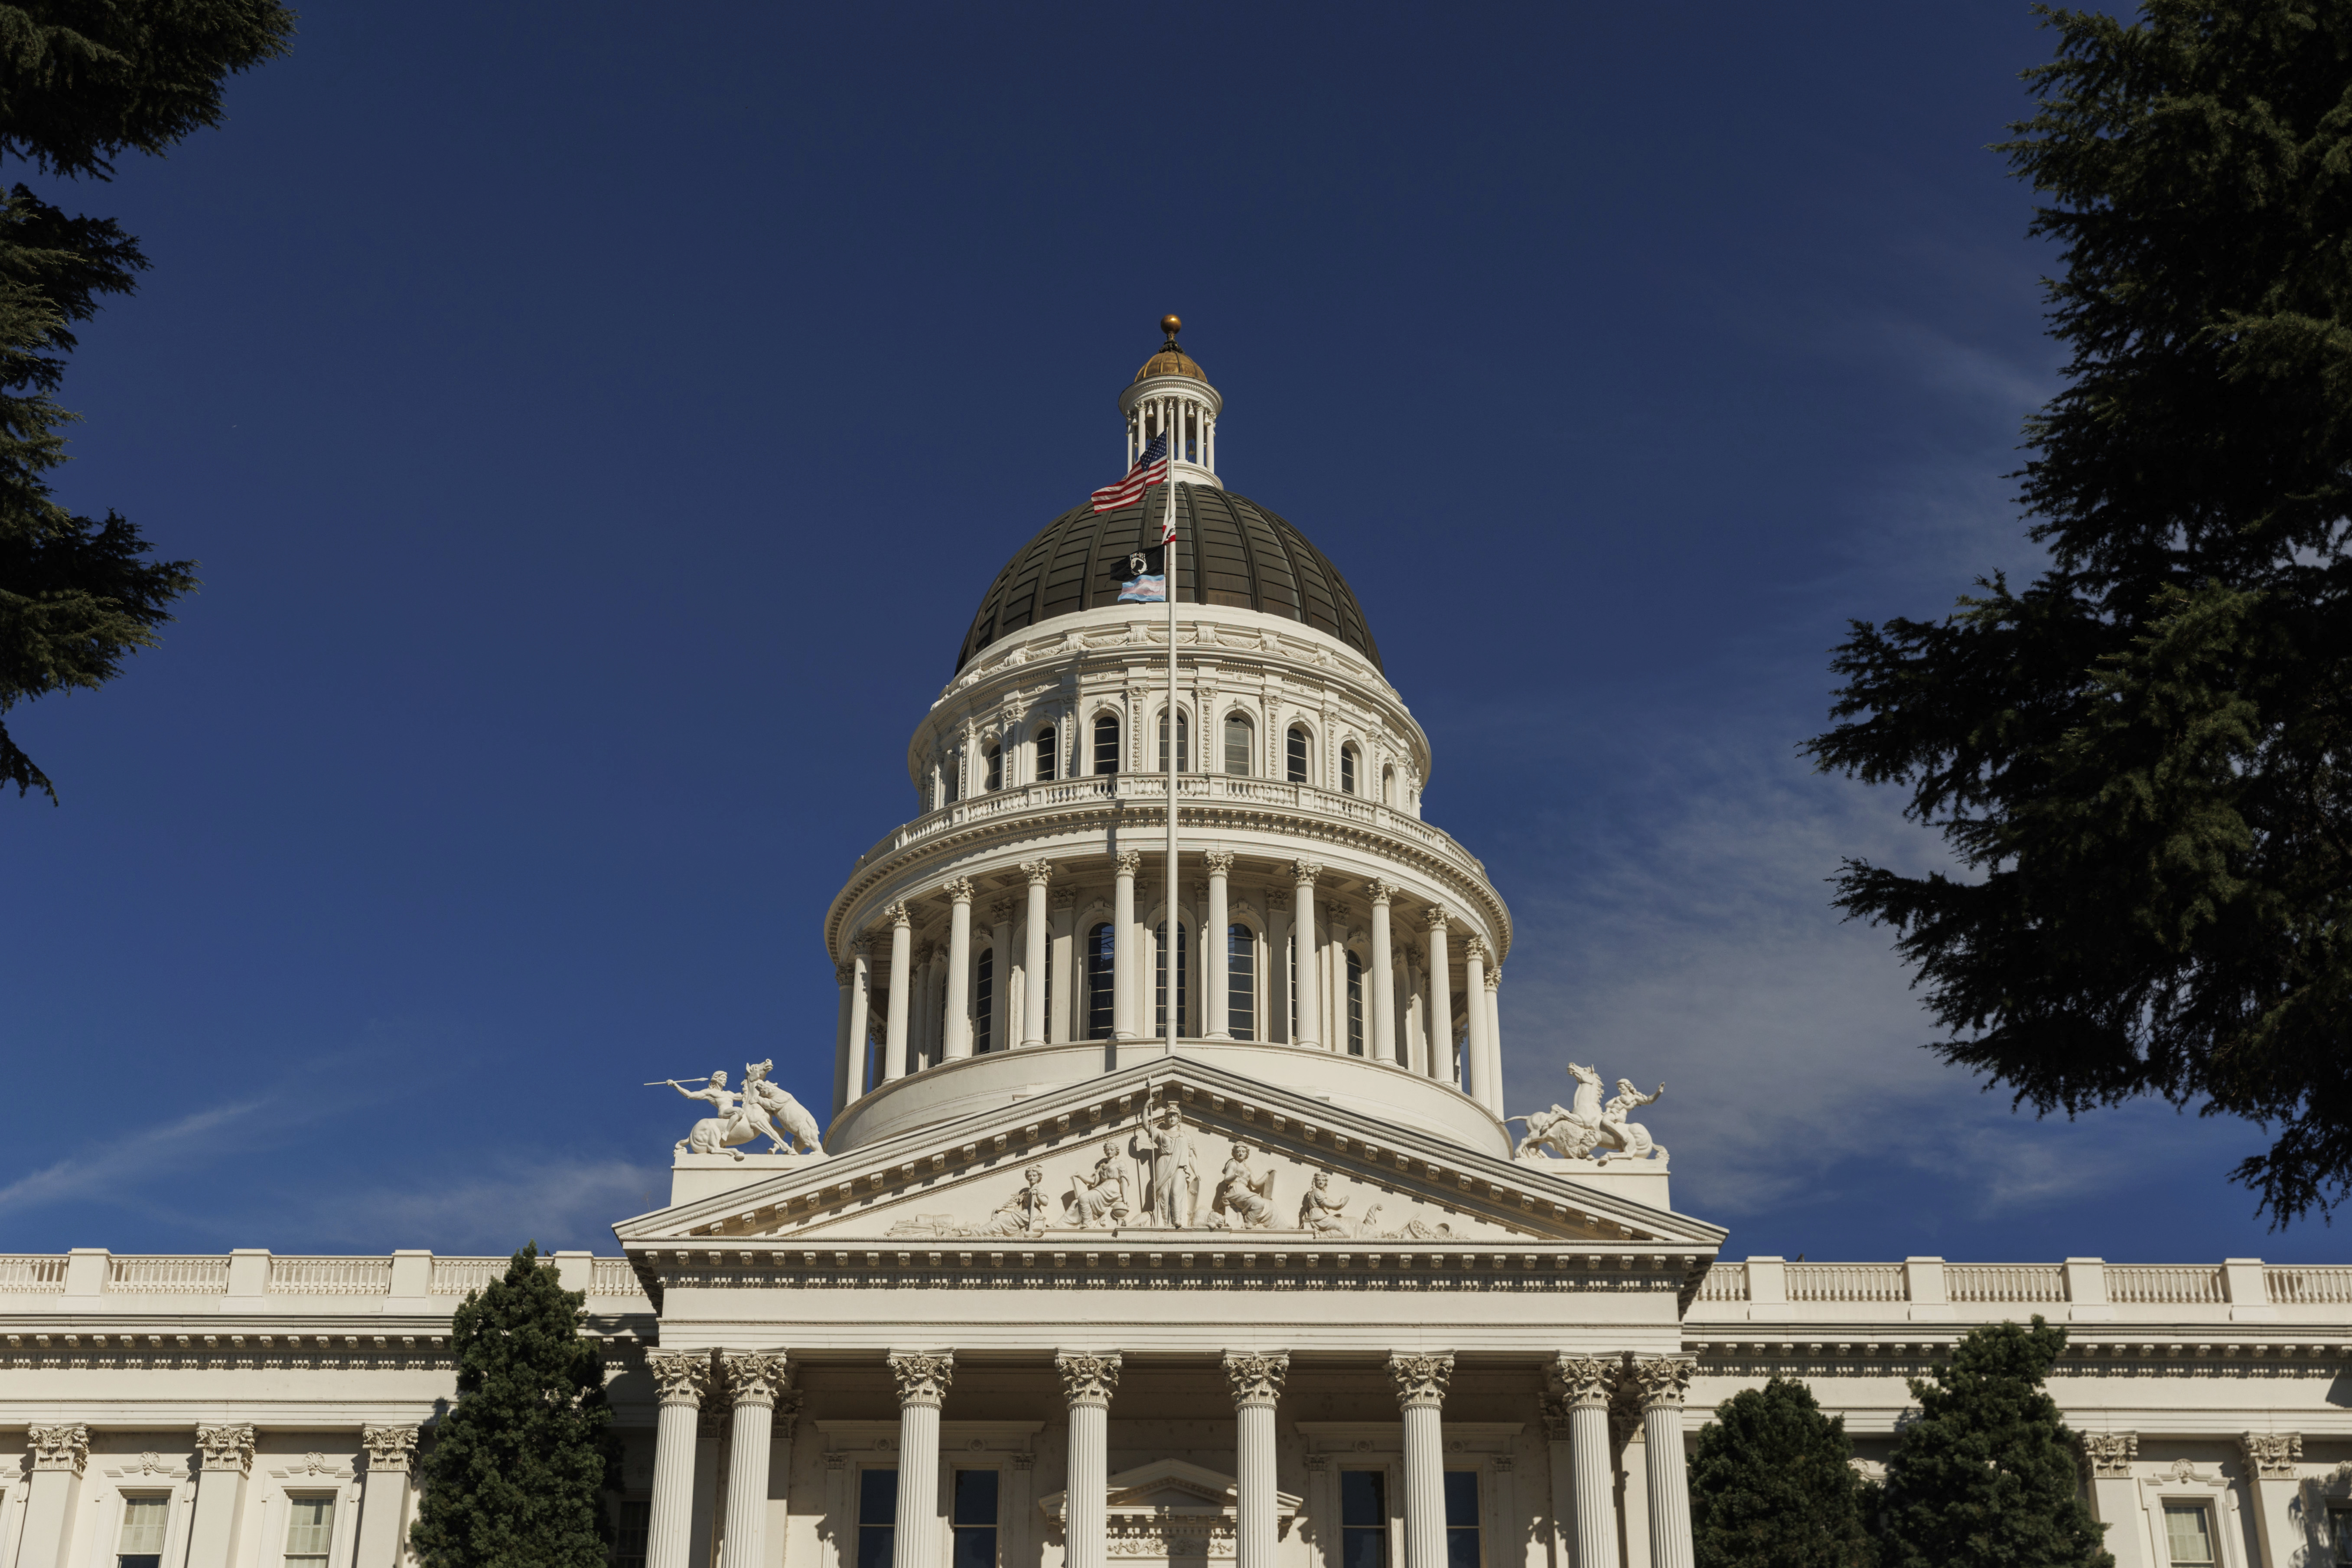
(1590, 1128)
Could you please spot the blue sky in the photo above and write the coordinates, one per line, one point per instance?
(597, 425)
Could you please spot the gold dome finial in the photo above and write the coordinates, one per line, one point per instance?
(1172, 325)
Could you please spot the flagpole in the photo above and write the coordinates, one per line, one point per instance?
(1172, 949)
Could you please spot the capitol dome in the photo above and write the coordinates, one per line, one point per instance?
(1230, 552)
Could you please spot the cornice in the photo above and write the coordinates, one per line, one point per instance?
(97, 1342)
(1905, 1352)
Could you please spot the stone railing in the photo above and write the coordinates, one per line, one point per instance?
(1201, 789)
(65, 1280)
(2081, 1289)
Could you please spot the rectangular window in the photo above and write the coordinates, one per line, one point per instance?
(1347, 769)
(2189, 1534)
(1045, 756)
(984, 1002)
(310, 1530)
(1241, 982)
(141, 1545)
(1183, 745)
(877, 1518)
(1237, 744)
(1355, 1005)
(1294, 756)
(1461, 1518)
(995, 767)
(629, 1536)
(2339, 1533)
(1101, 952)
(974, 1519)
(1105, 744)
(1363, 1519)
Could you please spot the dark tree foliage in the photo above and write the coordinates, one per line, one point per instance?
(1986, 1477)
(2141, 757)
(516, 1469)
(1770, 1486)
(81, 82)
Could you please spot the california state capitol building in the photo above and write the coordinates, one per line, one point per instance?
(1277, 1286)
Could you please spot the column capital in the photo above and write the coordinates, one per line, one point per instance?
(755, 1377)
(1088, 1377)
(1220, 862)
(860, 945)
(1556, 1410)
(1304, 872)
(1581, 1379)
(958, 889)
(1277, 900)
(787, 1415)
(1066, 898)
(2271, 1455)
(1421, 1379)
(1257, 1377)
(2110, 1454)
(1659, 1382)
(1437, 917)
(67, 1448)
(392, 1449)
(680, 1377)
(225, 1447)
(1127, 862)
(894, 915)
(922, 1376)
(1002, 912)
(1493, 977)
(1475, 950)
(843, 974)
(1039, 872)
(1378, 893)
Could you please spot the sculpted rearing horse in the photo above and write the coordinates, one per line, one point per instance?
(1573, 1133)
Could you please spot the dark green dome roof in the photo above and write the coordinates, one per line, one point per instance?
(1229, 551)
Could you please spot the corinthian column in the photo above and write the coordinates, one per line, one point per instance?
(1307, 1029)
(1216, 996)
(1495, 1036)
(1660, 1382)
(220, 1494)
(957, 1043)
(1033, 961)
(1581, 1386)
(1125, 959)
(1383, 977)
(1257, 1385)
(1421, 1382)
(59, 1455)
(1088, 1382)
(923, 1382)
(754, 1382)
(680, 1379)
(384, 1496)
(902, 961)
(1474, 1050)
(1440, 1003)
(1000, 992)
(861, 1023)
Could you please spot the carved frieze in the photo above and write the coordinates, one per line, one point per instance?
(389, 1449)
(1421, 1378)
(922, 1376)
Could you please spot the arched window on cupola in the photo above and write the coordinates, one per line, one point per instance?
(1294, 754)
(1101, 953)
(995, 768)
(1241, 738)
(1107, 744)
(1184, 744)
(1347, 769)
(1047, 756)
(983, 1001)
(1355, 1005)
(1241, 982)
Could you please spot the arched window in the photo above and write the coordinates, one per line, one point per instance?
(1294, 754)
(1346, 770)
(1046, 755)
(1183, 981)
(983, 1001)
(995, 768)
(1107, 744)
(1184, 744)
(1355, 1005)
(1099, 953)
(1241, 982)
(1238, 747)
(1388, 786)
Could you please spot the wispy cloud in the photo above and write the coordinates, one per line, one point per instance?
(492, 1209)
(121, 1169)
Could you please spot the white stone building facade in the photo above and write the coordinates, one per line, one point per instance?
(1277, 1287)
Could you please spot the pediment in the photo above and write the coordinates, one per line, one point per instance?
(1110, 1168)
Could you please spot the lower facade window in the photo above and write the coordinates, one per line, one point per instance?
(141, 1543)
(877, 1518)
(2339, 1533)
(1241, 982)
(310, 1530)
(1363, 1519)
(2189, 1534)
(1101, 952)
(974, 1519)
(1461, 1519)
(630, 1535)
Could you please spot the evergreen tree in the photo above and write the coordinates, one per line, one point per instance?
(2142, 758)
(1986, 1477)
(1770, 1486)
(516, 1468)
(82, 81)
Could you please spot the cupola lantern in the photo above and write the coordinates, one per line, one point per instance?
(1171, 394)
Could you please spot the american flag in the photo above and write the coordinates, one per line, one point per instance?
(1151, 469)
